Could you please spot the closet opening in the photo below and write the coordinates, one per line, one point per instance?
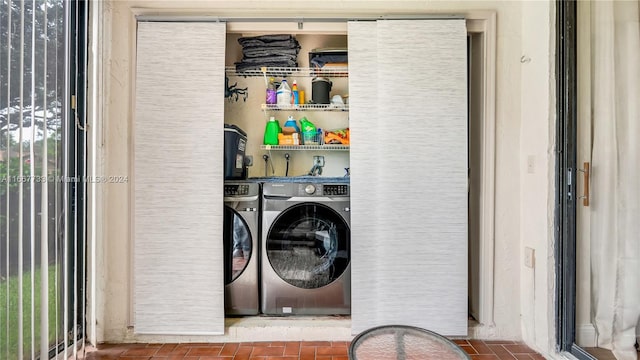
(248, 115)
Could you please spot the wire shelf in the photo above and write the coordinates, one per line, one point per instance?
(289, 71)
(326, 147)
(305, 107)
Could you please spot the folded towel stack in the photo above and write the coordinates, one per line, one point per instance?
(268, 50)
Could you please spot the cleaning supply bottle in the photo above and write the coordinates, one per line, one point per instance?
(271, 92)
(295, 95)
(283, 93)
(291, 122)
(271, 132)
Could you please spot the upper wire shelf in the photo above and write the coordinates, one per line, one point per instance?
(302, 107)
(325, 147)
(289, 71)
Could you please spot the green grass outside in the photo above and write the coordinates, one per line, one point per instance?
(9, 341)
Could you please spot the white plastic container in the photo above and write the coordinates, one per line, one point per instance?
(283, 93)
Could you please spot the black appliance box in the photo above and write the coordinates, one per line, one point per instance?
(235, 143)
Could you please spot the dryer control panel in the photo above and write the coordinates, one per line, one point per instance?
(236, 190)
(240, 189)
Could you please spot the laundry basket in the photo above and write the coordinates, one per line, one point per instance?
(401, 342)
(314, 138)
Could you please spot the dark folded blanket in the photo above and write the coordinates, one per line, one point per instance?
(262, 51)
(257, 43)
(267, 38)
(278, 58)
(279, 50)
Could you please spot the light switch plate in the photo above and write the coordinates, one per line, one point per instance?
(529, 257)
(531, 164)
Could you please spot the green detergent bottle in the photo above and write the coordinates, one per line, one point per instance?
(271, 132)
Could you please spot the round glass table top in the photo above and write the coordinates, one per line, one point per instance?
(400, 342)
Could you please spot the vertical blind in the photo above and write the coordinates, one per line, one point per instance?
(408, 113)
(37, 244)
(178, 146)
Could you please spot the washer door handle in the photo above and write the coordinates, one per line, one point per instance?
(240, 199)
(276, 197)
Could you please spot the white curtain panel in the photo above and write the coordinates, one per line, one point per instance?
(408, 111)
(615, 226)
(178, 146)
(364, 162)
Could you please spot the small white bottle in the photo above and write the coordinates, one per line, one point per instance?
(283, 93)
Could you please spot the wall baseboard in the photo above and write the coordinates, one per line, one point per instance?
(478, 331)
(586, 335)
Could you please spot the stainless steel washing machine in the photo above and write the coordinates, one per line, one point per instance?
(241, 254)
(306, 248)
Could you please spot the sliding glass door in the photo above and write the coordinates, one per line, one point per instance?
(40, 265)
(599, 202)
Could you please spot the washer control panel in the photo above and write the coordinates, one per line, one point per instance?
(305, 189)
(335, 189)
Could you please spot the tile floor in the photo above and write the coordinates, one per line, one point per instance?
(305, 350)
(604, 354)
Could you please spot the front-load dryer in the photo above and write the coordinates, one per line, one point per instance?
(306, 248)
(241, 236)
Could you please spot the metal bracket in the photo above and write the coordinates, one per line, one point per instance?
(569, 185)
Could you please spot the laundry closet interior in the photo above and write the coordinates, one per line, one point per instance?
(378, 234)
(251, 115)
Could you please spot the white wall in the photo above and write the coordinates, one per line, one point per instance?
(537, 169)
(524, 130)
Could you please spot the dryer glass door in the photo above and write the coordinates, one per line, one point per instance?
(237, 245)
(308, 245)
